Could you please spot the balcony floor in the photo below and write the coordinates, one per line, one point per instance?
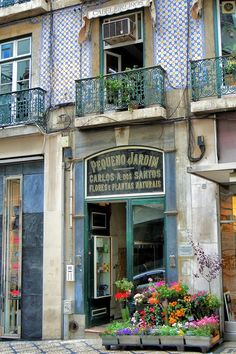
(214, 104)
(123, 117)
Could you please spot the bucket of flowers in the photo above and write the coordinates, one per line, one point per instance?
(124, 292)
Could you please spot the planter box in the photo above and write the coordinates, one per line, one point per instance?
(109, 340)
(202, 342)
(176, 341)
(129, 340)
(150, 340)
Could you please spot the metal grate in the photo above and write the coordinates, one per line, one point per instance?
(6, 3)
(213, 77)
(22, 107)
(133, 88)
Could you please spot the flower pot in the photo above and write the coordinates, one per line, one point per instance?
(150, 340)
(230, 80)
(129, 340)
(108, 340)
(176, 341)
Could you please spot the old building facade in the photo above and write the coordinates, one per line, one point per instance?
(117, 124)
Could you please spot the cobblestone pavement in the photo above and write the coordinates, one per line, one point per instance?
(90, 346)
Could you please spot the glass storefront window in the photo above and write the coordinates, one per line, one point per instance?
(228, 244)
(148, 237)
(12, 245)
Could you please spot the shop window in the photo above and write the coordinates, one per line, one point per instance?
(228, 245)
(12, 251)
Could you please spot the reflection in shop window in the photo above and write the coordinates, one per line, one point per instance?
(228, 244)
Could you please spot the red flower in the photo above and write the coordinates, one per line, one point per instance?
(15, 293)
(122, 296)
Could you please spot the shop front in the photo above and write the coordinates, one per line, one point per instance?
(127, 224)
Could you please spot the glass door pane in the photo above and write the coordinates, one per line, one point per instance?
(228, 244)
(12, 246)
(148, 242)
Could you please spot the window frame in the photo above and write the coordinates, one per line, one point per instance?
(15, 59)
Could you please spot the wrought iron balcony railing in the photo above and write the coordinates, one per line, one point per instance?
(124, 90)
(6, 3)
(22, 107)
(213, 77)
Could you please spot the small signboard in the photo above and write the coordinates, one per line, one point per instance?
(125, 171)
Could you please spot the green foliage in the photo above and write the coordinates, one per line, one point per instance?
(169, 331)
(230, 66)
(115, 326)
(124, 285)
(200, 331)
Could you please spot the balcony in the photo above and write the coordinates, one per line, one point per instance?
(16, 9)
(213, 84)
(22, 107)
(127, 96)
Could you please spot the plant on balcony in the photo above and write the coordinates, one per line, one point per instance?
(120, 90)
(230, 71)
(230, 67)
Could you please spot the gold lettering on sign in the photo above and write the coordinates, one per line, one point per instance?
(126, 171)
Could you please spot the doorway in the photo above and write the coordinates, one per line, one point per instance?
(126, 240)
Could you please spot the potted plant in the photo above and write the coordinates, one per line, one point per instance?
(109, 336)
(151, 337)
(172, 336)
(230, 71)
(129, 336)
(203, 332)
(120, 90)
(124, 286)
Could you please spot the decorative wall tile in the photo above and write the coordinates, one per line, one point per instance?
(63, 59)
(172, 49)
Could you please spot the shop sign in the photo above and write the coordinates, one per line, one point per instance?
(125, 172)
(117, 8)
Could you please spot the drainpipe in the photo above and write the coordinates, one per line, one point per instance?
(70, 241)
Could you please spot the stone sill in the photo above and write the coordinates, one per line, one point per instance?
(20, 130)
(124, 117)
(214, 105)
(26, 9)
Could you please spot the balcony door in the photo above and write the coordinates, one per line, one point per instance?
(227, 45)
(15, 68)
(12, 250)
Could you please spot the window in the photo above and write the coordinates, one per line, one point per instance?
(15, 65)
(123, 42)
(227, 25)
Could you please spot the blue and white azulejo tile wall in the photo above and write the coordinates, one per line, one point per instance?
(63, 59)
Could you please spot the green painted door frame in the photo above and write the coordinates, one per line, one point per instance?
(129, 204)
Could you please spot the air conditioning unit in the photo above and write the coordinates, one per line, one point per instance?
(228, 7)
(118, 31)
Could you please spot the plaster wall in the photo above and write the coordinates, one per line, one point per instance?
(53, 240)
(196, 203)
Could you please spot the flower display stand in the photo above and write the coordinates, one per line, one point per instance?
(180, 342)
(205, 343)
